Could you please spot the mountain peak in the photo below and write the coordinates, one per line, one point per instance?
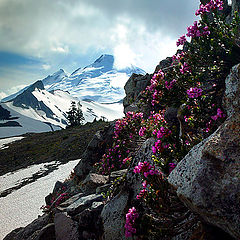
(105, 57)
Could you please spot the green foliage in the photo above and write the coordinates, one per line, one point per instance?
(75, 115)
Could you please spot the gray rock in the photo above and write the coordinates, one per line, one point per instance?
(103, 188)
(30, 229)
(65, 227)
(117, 174)
(133, 88)
(144, 154)
(92, 181)
(83, 203)
(46, 233)
(113, 217)
(113, 213)
(71, 200)
(96, 206)
(231, 99)
(208, 181)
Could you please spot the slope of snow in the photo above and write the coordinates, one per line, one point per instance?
(28, 124)
(59, 102)
(109, 111)
(23, 205)
(100, 81)
(6, 141)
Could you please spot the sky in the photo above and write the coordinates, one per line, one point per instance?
(40, 37)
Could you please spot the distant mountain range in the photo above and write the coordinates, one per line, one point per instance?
(100, 81)
(43, 105)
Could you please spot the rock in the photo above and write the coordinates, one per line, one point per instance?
(83, 203)
(144, 154)
(65, 227)
(71, 200)
(170, 116)
(103, 188)
(208, 181)
(88, 235)
(92, 181)
(97, 206)
(85, 218)
(95, 149)
(30, 229)
(117, 174)
(13, 235)
(47, 233)
(113, 217)
(133, 88)
(231, 100)
(113, 213)
(164, 64)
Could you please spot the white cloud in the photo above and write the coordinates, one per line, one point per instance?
(60, 49)
(124, 56)
(46, 66)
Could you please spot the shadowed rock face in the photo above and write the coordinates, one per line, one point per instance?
(207, 179)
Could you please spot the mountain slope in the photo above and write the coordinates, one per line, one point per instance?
(100, 81)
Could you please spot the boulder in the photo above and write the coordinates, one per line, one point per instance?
(71, 200)
(113, 217)
(231, 100)
(65, 227)
(92, 181)
(83, 203)
(46, 233)
(133, 88)
(207, 180)
(30, 229)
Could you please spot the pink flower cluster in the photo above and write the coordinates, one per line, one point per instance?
(142, 131)
(170, 85)
(121, 123)
(194, 92)
(185, 68)
(131, 217)
(181, 40)
(146, 169)
(61, 198)
(213, 4)
(155, 79)
(219, 114)
(178, 56)
(195, 31)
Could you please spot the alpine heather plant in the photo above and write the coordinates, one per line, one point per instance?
(131, 217)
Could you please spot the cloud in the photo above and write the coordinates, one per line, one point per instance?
(28, 27)
(60, 33)
(46, 66)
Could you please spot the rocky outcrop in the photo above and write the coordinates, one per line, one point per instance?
(133, 88)
(94, 151)
(207, 180)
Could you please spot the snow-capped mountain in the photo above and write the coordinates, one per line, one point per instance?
(37, 110)
(100, 81)
(99, 87)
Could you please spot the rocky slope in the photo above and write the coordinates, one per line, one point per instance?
(206, 179)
